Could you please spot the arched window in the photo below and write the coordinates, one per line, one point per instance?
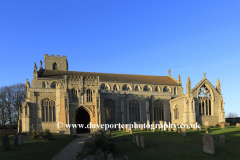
(176, 113)
(137, 88)
(43, 84)
(53, 85)
(126, 87)
(158, 109)
(73, 95)
(166, 89)
(147, 88)
(115, 87)
(157, 89)
(134, 111)
(104, 86)
(109, 107)
(204, 98)
(89, 95)
(55, 66)
(48, 110)
(175, 91)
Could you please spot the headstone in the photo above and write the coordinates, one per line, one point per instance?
(208, 144)
(15, 140)
(179, 130)
(142, 141)
(5, 141)
(20, 139)
(222, 138)
(153, 129)
(134, 138)
(137, 140)
(199, 129)
(131, 132)
(169, 129)
(162, 131)
(206, 131)
(207, 128)
(212, 124)
(223, 125)
(237, 124)
(119, 128)
(175, 129)
(183, 130)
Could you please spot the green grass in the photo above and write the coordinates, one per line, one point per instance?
(35, 150)
(172, 145)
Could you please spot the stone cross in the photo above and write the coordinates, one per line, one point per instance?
(204, 74)
(208, 144)
(169, 71)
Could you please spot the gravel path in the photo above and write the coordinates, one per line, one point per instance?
(70, 151)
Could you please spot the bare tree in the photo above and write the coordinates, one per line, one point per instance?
(232, 115)
(11, 98)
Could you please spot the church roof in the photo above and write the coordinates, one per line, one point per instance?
(109, 77)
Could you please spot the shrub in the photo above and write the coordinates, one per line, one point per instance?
(39, 135)
(97, 143)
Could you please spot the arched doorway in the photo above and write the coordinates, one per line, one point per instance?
(82, 117)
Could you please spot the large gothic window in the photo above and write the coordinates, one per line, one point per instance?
(204, 98)
(158, 109)
(55, 66)
(53, 85)
(73, 95)
(109, 107)
(134, 111)
(48, 110)
(89, 95)
(176, 113)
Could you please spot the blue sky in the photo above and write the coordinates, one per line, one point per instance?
(126, 36)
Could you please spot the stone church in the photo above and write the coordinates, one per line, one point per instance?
(69, 97)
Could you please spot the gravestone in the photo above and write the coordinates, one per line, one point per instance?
(119, 128)
(183, 130)
(207, 128)
(142, 141)
(131, 132)
(212, 124)
(20, 139)
(137, 140)
(162, 131)
(5, 141)
(206, 131)
(199, 129)
(169, 129)
(179, 130)
(175, 130)
(208, 144)
(134, 138)
(222, 125)
(237, 124)
(222, 138)
(15, 140)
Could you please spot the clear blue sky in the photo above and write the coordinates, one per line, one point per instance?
(126, 36)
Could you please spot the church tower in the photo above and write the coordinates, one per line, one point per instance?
(56, 63)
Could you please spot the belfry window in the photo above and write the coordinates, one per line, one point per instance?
(134, 111)
(89, 95)
(204, 98)
(158, 110)
(55, 66)
(109, 107)
(48, 110)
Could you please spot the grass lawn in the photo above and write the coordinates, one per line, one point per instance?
(34, 150)
(172, 145)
